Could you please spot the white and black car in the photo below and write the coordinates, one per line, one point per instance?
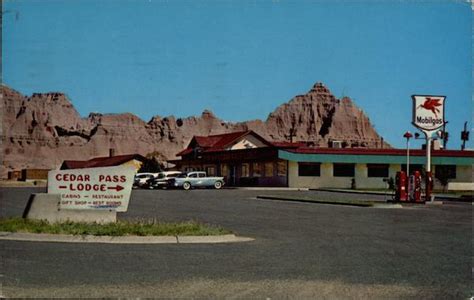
(162, 180)
(142, 179)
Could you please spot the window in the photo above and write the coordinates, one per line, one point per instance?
(245, 170)
(257, 172)
(224, 170)
(211, 171)
(343, 170)
(201, 175)
(269, 169)
(377, 170)
(448, 171)
(281, 168)
(309, 169)
(194, 175)
(413, 168)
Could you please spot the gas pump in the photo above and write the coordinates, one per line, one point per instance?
(428, 186)
(411, 188)
(400, 186)
(414, 188)
(417, 187)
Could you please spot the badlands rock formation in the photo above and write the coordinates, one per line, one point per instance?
(42, 130)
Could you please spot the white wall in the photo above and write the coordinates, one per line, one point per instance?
(249, 140)
(365, 182)
(464, 174)
(326, 180)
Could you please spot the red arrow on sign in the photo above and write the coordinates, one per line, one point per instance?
(117, 188)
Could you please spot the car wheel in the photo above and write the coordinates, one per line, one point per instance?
(217, 185)
(186, 186)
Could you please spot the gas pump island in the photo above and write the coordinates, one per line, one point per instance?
(428, 116)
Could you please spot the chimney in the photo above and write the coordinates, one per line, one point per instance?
(111, 152)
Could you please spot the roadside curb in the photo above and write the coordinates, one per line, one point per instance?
(387, 205)
(463, 198)
(376, 204)
(23, 184)
(352, 191)
(357, 204)
(267, 189)
(67, 238)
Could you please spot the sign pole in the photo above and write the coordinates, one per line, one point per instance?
(428, 152)
(408, 135)
(428, 166)
(408, 168)
(428, 116)
(408, 157)
(464, 136)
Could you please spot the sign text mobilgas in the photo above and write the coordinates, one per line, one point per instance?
(429, 121)
(428, 112)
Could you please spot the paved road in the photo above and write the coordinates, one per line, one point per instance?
(301, 250)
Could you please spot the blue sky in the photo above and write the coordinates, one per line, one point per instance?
(242, 59)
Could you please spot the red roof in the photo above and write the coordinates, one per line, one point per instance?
(217, 142)
(184, 152)
(101, 161)
(362, 151)
(288, 144)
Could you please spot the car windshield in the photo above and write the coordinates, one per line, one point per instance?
(182, 175)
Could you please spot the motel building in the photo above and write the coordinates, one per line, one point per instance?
(128, 160)
(247, 159)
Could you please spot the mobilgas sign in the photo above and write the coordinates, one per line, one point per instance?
(428, 112)
(94, 188)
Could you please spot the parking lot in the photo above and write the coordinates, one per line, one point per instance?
(300, 250)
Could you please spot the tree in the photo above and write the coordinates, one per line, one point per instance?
(150, 165)
(443, 175)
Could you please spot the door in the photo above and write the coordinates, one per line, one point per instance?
(202, 180)
(232, 175)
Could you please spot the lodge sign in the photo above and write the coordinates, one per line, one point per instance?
(428, 112)
(106, 188)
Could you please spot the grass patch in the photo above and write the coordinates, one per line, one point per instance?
(457, 193)
(149, 227)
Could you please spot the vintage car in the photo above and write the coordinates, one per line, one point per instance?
(195, 180)
(161, 181)
(141, 180)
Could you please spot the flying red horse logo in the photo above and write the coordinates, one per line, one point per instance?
(431, 104)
